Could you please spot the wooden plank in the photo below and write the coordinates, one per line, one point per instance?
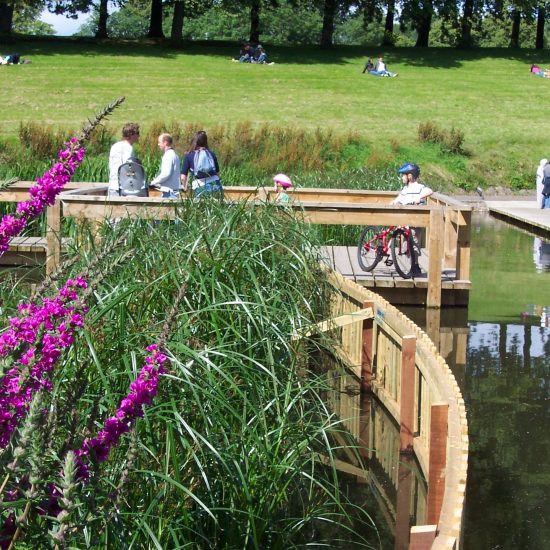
(435, 255)
(342, 261)
(406, 424)
(366, 349)
(327, 256)
(53, 236)
(438, 460)
(422, 537)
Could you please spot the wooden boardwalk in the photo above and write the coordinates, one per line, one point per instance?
(524, 213)
(387, 282)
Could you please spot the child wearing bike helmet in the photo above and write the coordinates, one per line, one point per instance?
(413, 191)
(282, 184)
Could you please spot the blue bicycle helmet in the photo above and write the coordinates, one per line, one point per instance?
(410, 168)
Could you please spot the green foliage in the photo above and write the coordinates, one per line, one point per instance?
(227, 456)
(450, 141)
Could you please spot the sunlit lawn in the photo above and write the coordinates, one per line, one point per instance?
(488, 94)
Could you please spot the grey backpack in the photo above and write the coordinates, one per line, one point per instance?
(131, 179)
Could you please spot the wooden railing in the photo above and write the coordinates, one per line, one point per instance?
(447, 221)
(396, 361)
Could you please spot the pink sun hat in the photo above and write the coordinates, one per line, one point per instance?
(283, 180)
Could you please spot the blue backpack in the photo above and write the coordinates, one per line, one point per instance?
(203, 164)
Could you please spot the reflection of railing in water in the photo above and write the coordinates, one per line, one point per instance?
(392, 358)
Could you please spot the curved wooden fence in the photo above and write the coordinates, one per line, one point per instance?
(395, 360)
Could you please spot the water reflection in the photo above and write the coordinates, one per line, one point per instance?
(503, 369)
(541, 254)
(393, 479)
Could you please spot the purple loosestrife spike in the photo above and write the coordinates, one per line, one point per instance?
(39, 336)
(142, 392)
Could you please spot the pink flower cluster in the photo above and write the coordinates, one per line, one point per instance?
(37, 337)
(142, 392)
(43, 193)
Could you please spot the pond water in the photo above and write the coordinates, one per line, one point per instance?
(504, 375)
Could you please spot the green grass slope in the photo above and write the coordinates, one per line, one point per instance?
(487, 94)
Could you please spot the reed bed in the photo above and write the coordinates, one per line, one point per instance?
(227, 453)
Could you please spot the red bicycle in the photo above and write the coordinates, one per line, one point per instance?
(377, 243)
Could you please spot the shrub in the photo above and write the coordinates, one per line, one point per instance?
(450, 141)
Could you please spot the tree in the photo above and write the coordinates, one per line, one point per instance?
(26, 20)
(541, 17)
(155, 20)
(6, 17)
(329, 13)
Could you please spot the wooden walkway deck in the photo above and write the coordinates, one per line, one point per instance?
(388, 283)
(524, 213)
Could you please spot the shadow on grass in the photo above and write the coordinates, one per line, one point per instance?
(439, 58)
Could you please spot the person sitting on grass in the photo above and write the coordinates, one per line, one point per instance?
(413, 192)
(369, 66)
(381, 69)
(261, 56)
(536, 70)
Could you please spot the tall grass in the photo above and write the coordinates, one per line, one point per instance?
(228, 455)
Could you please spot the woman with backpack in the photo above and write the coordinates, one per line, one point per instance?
(202, 164)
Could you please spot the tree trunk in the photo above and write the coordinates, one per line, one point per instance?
(6, 18)
(327, 32)
(255, 21)
(176, 33)
(423, 28)
(101, 31)
(155, 23)
(466, 24)
(514, 36)
(388, 39)
(541, 14)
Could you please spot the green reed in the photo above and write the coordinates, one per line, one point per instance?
(228, 454)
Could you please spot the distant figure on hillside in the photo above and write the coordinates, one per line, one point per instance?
(381, 69)
(536, 70)
(13, 59)
(202, 164)
(538, 180)
(261, 56)
(369, 66)
(120, 152)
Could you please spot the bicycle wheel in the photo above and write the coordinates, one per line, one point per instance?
(370, 250)
(402, 252)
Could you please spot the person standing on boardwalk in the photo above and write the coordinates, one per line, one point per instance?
(539, 184)
(202, 164)
(169, 178)
(413, 191)
(282, 184)
(120, 152)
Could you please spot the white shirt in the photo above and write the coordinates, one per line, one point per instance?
(169, 177)
(120, 152)
(410, 194)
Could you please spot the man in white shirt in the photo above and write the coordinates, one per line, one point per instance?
(120, 152)
(169, 178)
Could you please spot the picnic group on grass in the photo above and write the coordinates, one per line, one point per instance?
(198, 171)
(380, 69)
(253, 54)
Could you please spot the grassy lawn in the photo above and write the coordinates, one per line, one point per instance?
(488, 94)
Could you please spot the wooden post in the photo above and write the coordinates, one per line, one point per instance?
(403, 505)
(451, 238)
(438, 460)
(406, 429)
(363, 440)
(433, 325)
(366, 350)
(422, 537)
(53, 236)
(463, 248)
(435, 256)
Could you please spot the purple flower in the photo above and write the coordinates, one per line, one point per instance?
(142, 392)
